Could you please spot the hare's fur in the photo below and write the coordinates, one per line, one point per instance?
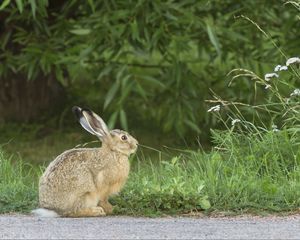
(79, 181)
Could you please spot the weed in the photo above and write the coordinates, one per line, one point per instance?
(259, 160)
(169, 187)
(252, 173)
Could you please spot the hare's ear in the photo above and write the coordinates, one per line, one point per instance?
(78, 113)
(91, 122)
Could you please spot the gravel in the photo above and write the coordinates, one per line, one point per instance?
(116, 227)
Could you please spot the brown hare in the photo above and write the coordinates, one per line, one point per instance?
(79, 182)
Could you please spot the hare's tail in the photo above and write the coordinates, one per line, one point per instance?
(43, 212)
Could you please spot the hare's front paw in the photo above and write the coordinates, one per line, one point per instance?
(108, 208)
(98, 211)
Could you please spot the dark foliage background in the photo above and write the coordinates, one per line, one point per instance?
(147, 65)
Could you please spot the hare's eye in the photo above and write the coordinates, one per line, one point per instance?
(124, 137)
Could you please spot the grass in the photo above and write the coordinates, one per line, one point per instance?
(18, 185)
(248, 174)
(243, 174)
(254, 173)
(162, 187)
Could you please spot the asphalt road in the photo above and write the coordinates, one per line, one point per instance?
(20, 227)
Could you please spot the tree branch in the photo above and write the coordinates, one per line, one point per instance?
(131, 64)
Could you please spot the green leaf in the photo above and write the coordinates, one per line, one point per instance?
(200, 187)
(112, 120)
(33, 7)
(5, 39)
(139, 89)
(105, 71)
(205, 204)
(123, 119)
(120, 72)
(92, 5)
(153, 81)
(20, 5)
(81, 31)
(135, 30)
(192, 125)
(30, 72)
(111, 93)
(125, 80)
(213, 38)
(4, 4)
(85, 52)
(59, 73)
(125, 91)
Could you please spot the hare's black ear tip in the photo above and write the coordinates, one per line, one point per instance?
(76, 110)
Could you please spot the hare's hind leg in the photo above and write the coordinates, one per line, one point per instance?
(86, 206)
(88, 212)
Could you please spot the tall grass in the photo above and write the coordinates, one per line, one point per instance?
(243, 174)
(18, 185)
(259, 158)
(253, 173)
(162, 187)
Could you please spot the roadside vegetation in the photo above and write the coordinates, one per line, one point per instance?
(243, 174)
(18, 185)
(252, 167)
(252, 164)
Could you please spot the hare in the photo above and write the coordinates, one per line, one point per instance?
(79, 182)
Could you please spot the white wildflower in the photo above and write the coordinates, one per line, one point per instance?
(234, 121)
(292, 61)
(276, 69)
(267, 86)
(214, 109)
(280, 68)
(295, 93)
(275, 128)
(268, 76)
(283, 68)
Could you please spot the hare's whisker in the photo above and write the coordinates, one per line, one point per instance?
(145, 146)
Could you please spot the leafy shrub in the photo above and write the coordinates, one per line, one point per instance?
(153, 60)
